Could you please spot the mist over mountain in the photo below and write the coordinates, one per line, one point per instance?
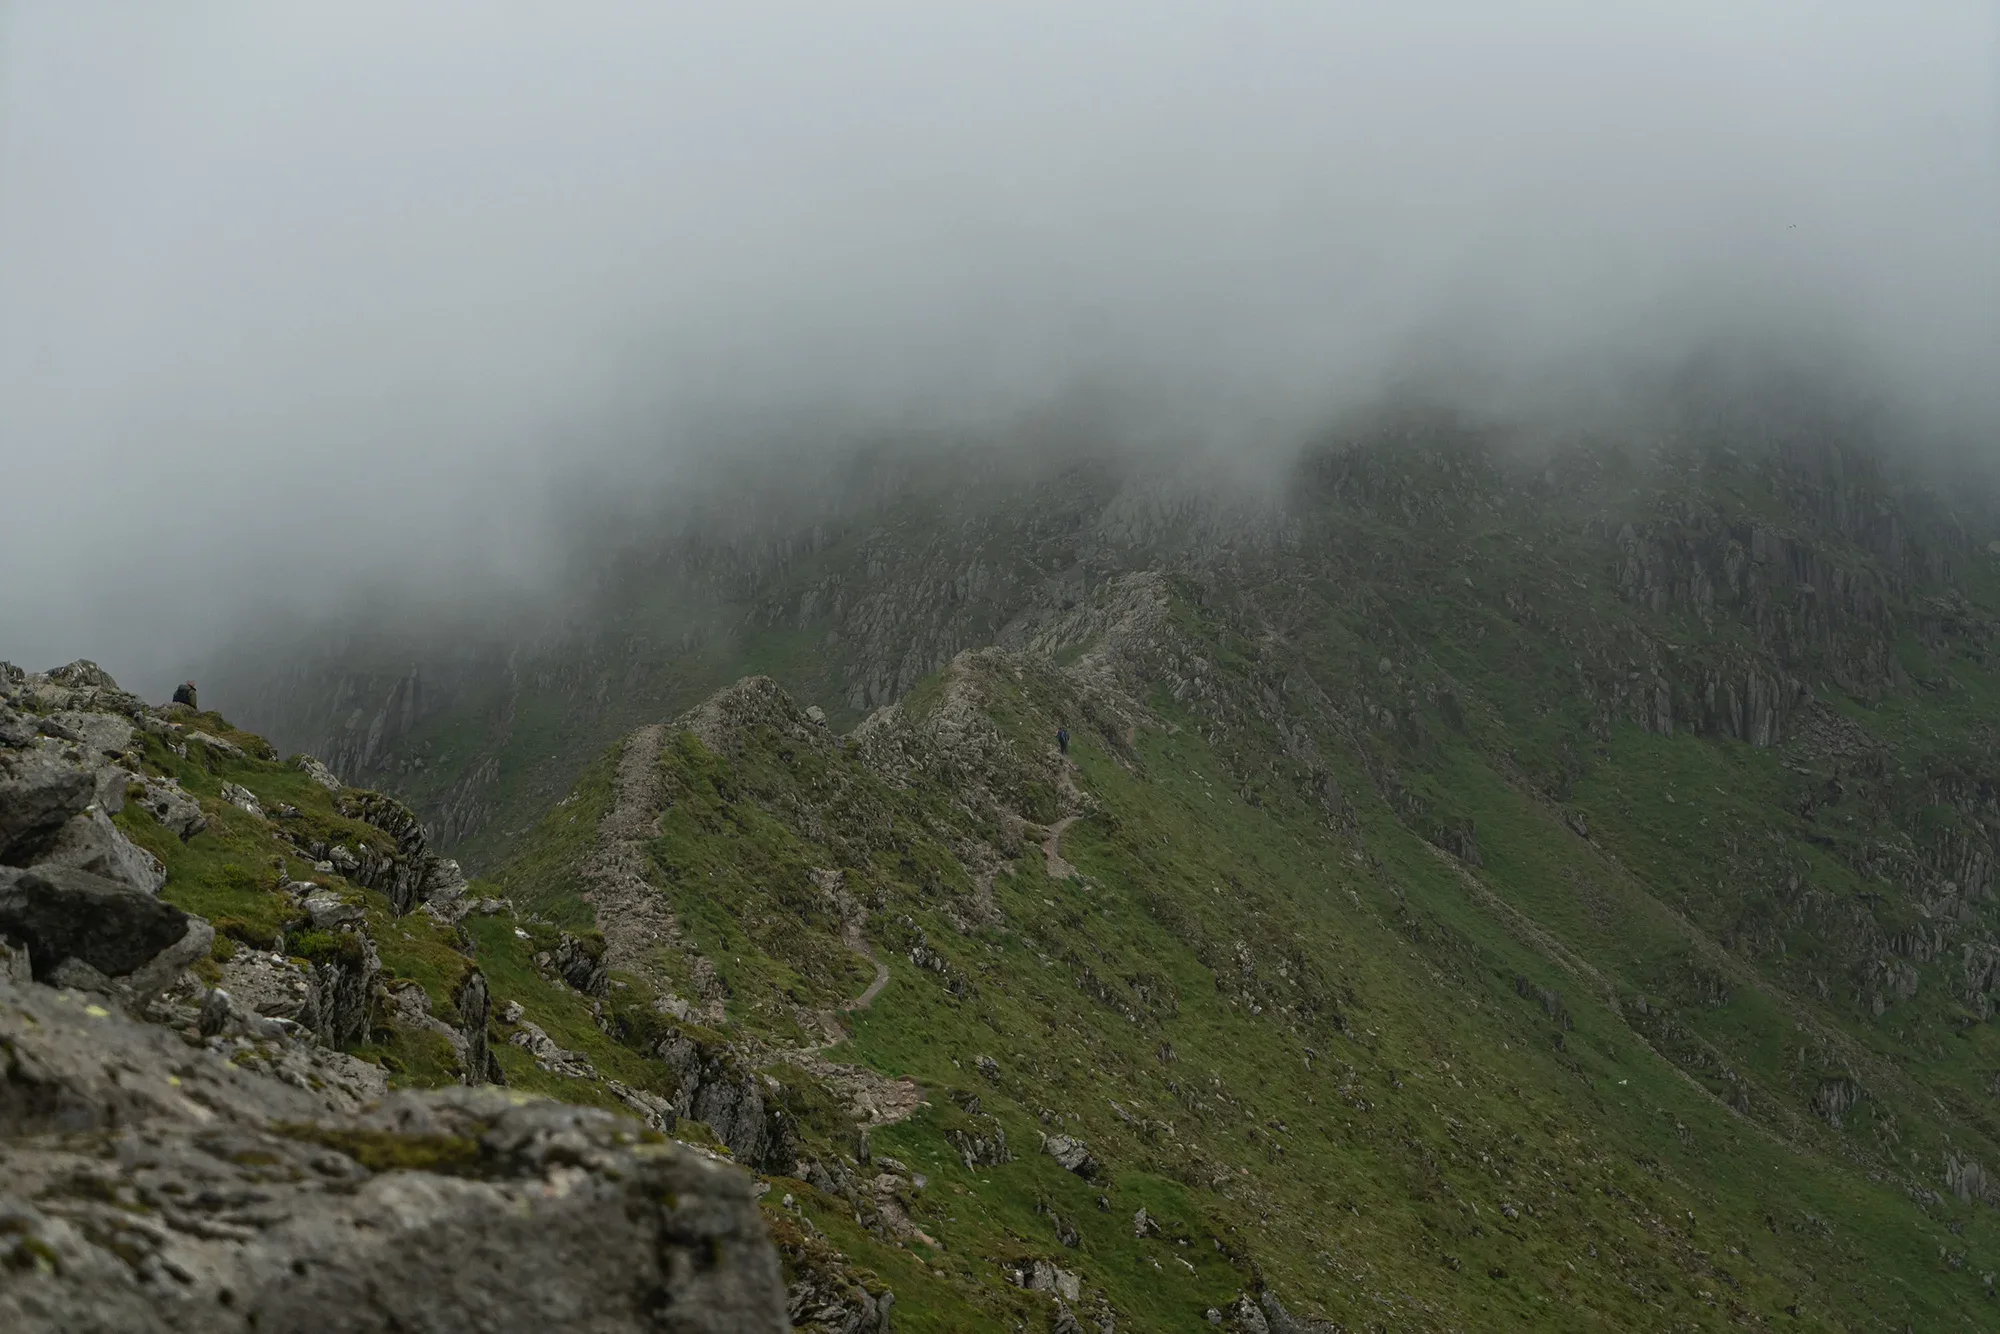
(308, 305)
(1103, 670)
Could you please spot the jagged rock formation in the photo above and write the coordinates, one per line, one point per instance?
(148, 1187)
(184, 1145)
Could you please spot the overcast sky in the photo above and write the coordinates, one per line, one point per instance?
(294, 295)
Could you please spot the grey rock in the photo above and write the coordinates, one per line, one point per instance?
(14, 964)
(319, 773)
(550, 1057)
(1246, 1318)
(474, 1005)
(268, 984)
(1046, 1276)
(105, 734)
(41, 789)
(1281, 1321)
(341, 989)
(1072, 1155)
(327, 909)
(209, 1197)
(982, 1145)
(90, 842)
(581, 964)
(164, 969)
(242, 798)
(718, 1089)
(15, 730)
(444, 880)
(217, 744)
(61, 913)
(651, 1108)
(171, 804)
(215, 1013)
(82, 685)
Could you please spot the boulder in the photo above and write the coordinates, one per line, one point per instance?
(217, 744)
(581, 964)
(550, 1056)
(319, 773)
(90, 842)
(61, 913)
(41, 789)
(268, 984)
(171, 804)
(479, 1066)
(105, 734)
(242, 798)
(327, 910)
(1072, 1155)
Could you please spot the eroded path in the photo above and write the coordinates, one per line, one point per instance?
(633, 913)
(859, 944)
(1052, 849)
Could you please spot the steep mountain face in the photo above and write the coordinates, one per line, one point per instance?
(1480, 888)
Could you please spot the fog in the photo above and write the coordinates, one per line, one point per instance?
(297, 300)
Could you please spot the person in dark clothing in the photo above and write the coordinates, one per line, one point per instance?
(184, 694)
(1062, 739)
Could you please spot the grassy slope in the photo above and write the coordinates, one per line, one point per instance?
(1370, 1180)
(1573, 1086)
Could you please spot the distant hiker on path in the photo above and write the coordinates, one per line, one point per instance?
(1062, 739)
(184, 694)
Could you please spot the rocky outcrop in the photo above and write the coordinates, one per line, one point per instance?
(1072, 1154)
(474, 1007)
(90, 842)
(716, 1088)
(406, 872)
(580, 964)
(148, 1187)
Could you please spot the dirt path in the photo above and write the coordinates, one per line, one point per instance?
(859, 945)
(632, 911)
(1052, 849)
(1073, 798)
(874, 1098)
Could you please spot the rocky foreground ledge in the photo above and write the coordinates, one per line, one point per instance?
(153, 1176)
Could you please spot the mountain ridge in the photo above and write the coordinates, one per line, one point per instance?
(1574, 868)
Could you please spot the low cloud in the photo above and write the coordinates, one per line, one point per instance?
(297, 301)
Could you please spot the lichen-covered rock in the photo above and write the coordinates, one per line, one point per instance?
(146, 1186)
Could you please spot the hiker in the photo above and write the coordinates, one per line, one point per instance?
(1062, 739)
(184, 694)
